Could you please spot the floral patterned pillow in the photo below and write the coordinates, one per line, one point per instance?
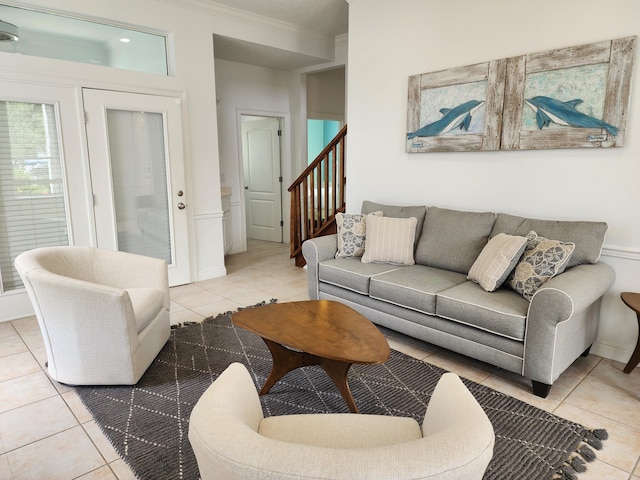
(352, 230)
(542, 260)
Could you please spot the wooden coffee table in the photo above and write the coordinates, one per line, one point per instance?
(315, 332)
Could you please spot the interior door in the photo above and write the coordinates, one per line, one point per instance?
(262, 178)
(137, 176)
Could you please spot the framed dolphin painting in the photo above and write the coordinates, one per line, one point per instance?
(576, 97)
(457, 109)
(565, 98)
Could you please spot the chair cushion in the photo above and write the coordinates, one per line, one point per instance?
(351, 273)
(413, 287)
(336, 430)
(147, 302)
(503, 312)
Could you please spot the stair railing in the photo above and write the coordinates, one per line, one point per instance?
(317, 195)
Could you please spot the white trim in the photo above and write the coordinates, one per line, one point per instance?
(245, 17)
(618, 251)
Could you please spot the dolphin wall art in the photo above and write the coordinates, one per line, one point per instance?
(549, 110)
(459, 116)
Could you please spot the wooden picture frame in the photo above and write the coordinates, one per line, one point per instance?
(592, 83)
(448, 89)
(575, 97)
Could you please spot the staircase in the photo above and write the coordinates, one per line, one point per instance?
(317, 195)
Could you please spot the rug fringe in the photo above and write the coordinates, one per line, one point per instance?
(576, 463)
(228, 312)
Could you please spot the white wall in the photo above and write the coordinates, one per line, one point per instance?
(326, 94)
(190, 25)
(254, 90)
(389, 41)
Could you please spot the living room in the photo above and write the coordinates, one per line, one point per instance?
(388, 42)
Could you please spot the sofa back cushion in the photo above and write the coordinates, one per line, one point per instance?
(453, 239)
(398, 211)
(587, 236)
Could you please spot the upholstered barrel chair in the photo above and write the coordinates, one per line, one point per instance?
(232, 440)
(103, 314)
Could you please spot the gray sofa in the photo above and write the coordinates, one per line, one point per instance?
(433, 300)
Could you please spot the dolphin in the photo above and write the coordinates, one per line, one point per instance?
(564, 113)
(459, 116)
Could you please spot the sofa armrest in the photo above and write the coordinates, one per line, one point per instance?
(316, 250)
(562, 321)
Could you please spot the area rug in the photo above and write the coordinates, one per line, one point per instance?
(148, 423)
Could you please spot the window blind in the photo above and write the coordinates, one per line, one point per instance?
(32, 205)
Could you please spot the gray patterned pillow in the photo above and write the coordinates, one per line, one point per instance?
(352, 230)
(542, 260)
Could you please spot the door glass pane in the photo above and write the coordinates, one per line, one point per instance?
(32, 205)
(139, 175)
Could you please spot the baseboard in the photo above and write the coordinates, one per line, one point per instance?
(611, 352)
(213, 273)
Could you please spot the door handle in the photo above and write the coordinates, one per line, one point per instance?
(181, 206)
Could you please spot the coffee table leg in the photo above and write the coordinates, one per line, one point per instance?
(337, 372)
(284, 361)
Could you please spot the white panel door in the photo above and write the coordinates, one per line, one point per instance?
(263, 188)
(137, 175)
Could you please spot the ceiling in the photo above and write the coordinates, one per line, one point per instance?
(329, 17)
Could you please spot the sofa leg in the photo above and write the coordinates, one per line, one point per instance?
(540, 389)
(586, 352)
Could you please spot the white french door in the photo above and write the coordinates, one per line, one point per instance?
(137, 176)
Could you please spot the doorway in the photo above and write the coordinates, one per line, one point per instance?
(262, 176)
(137, 176)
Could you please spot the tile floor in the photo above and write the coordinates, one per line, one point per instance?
(46, 433)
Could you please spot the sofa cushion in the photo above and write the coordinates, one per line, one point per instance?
(587, 236)
(351, 229)
(502, 312)
(453, 239)
(398, 211)
(413, 287)
(390, 240)
(496, 261)
(542, 260)
(351, 273)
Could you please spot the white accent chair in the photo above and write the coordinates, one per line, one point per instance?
(103, 314)
(232, 439)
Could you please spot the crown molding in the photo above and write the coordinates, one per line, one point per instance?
(242, 16)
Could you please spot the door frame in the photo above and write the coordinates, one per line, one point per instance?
(122, 99)
(285, 165)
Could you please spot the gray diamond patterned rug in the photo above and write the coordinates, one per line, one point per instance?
(148, 423)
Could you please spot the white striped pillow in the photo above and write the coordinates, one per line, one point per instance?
(390, 240)
(496, 261)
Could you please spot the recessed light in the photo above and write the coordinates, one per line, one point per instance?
(125, 40)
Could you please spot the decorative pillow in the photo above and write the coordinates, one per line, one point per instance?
(497, 260)
(390, 240)
(351, 234)
(542, 260)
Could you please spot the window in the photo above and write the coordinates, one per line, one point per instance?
(32, 205)
(56, 36)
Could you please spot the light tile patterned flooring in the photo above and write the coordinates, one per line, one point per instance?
(46, 433)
